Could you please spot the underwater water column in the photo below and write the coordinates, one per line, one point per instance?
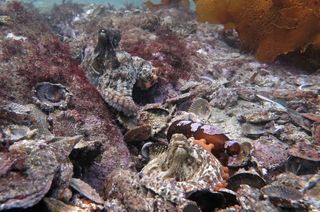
(116, 3)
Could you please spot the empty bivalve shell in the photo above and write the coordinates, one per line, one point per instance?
(50, 96)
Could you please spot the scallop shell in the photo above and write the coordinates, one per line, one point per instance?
(139, 133)
(127, 122)
(299, 120)
(189, 206)
(305, 151)
(284, 196)
(151, 150)
(250, 178)
(206, 199)
(304, 159)
(259, 116)
(230, 196)
(5, 20)
(269, 153)
(312, 191)
(316, 132)
(282, 192)
(54, 205)
(255, 131)
(86, 190)
(157, 118)
(188, 86)
(201, 108)
(243, 157)
(250, 200)
(16, 132)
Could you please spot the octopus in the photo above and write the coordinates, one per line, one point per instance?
(208, 136)
(115, 73)
(183, 167)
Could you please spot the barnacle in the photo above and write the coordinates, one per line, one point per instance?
(150, 5)
(268, 27)
(50, 96)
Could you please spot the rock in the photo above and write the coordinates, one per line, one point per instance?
(86, 190)
(242, 177)
(224, 97)
(250, 101)
(269, 153)
(250, 199)
(56, 205)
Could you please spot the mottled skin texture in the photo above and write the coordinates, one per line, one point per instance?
(116, 85)
(208, 136)
(115, 73)
(184, 167)
(103, 57)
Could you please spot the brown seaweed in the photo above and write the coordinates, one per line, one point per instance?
(267, 27)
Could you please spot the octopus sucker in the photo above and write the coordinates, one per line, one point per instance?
(203, 143)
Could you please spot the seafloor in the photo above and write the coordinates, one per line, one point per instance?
(138, 110)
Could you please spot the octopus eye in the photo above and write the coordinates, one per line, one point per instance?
(102, 32)
(147, 77)
(233, 148)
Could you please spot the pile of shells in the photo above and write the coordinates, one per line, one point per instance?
(238, 135)
(35, 164)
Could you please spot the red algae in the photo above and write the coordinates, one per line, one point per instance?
(39, 57)
(11, 49)
(168, 52)
(16, 6)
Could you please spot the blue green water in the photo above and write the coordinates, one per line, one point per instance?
(116, 3)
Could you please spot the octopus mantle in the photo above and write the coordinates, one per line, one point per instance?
(116, 85)
(184, 167)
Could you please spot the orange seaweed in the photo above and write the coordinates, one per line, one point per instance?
(267, 27)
